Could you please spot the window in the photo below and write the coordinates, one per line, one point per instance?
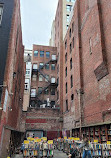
(70, 47)
(34, 77)
(41, 53)
(90, 46)
(46, 91)
(70, 33)
(68, 8)
(52, 103)
(66, 57)
(53, 80)
(73, 42)
(39, 90)
(65, 44)
(72, 97)
(70, 0)
(46, 78)
(47, 54)
(1, 13)
(52, 66)
(47, 66)
(52, 91)
(67, 18)
(67, 27)
(27, 71)
(66, 71)
(71, 64)
(66, 105)
(45, 102)
(33, 92)
(66, 87)
(71, 81)
(53, 57)
(40, 78)
(26, 86)
(35, 53)
(34, 66)
(41, 65)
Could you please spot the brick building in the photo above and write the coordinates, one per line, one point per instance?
(87, 71)
(43, 114)
(11, 76)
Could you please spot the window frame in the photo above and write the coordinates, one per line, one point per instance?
(42, 55)
(47, 55)
(1, 15)
(36, 55)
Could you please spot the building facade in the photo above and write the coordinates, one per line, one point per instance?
(42, 117)
(86, 71)
(11, 76)
(28, 65)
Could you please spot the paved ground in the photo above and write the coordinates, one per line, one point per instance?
(57, 154)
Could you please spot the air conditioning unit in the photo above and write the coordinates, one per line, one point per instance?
(43, 106)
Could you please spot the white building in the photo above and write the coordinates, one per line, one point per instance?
(27, 59)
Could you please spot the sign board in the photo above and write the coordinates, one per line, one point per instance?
(44, 138)
(26, 141)
(50, 141)
(95, 141)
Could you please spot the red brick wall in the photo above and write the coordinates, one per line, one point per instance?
(91, 70)
(43, 119)
(15, 86)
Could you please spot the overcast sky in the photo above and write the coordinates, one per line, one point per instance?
(37, 17)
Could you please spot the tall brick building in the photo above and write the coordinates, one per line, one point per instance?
(11, 76)
(87, 71)
(42, 118)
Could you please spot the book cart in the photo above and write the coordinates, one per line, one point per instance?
(38, 148)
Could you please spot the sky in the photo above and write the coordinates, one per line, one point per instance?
(37, 17)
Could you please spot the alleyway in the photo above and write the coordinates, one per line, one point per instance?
(57, 154)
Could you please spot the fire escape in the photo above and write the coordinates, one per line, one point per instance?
(36, 102)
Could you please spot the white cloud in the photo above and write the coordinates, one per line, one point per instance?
(37, 17)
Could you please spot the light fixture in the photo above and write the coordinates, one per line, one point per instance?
(1, 108)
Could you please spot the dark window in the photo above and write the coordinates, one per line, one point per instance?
(35, 53)
(71, 81)
(41, 53)
(1, 13)
(71, 64)
(72, 97)
(66, 105)
(66, 71)
(66, 57)
(45, 102)
(46, 91)
(68, 8)
(52, 91)
(66, 87)
(70, 33)
(39, 89)
(57, 81)
(52, 103)
(70, 47)
(47, 54)
(52, 66)
(65, 44)
(90, 46)
(47, 66)
(73, 42)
